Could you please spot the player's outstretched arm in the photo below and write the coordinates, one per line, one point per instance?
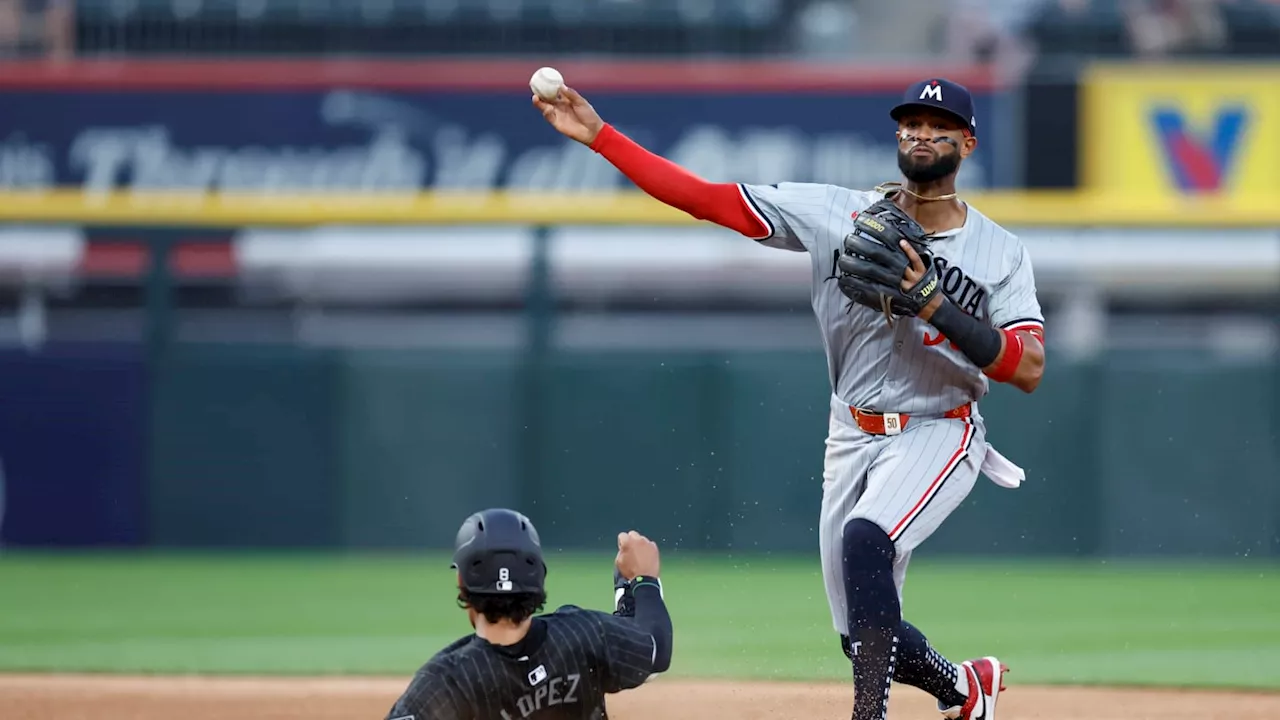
(720, 203)
(638, 561)
(640, 646)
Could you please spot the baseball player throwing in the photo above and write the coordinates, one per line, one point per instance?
(558, 666)
(921, 301)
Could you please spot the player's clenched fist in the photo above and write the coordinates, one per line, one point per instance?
(637, 555)
(571, 114)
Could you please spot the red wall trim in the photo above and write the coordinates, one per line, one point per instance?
(130, 258)
(473, 75)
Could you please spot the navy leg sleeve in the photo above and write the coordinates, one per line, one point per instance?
(874, 616)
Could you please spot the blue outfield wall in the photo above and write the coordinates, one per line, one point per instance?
(73, 445)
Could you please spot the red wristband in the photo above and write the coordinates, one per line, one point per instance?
(1007, 365)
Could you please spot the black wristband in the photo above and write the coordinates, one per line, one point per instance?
(641, 580)
(977, 340)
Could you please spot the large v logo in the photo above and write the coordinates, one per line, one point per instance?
(1200, 162)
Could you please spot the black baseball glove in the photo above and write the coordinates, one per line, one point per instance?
(872, 265)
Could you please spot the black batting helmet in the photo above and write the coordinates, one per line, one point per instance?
(498, 552)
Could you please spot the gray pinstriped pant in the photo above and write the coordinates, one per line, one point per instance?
(908, 484)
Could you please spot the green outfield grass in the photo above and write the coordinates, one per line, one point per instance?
(761, 617)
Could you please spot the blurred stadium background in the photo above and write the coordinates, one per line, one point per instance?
(311, 274)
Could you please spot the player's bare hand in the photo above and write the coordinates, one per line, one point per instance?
(915, 270)
(912, 275)
(571, 115)
(637, 555)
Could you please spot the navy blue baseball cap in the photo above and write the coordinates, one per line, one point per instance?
(939, 94)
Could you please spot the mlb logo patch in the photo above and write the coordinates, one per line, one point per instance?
(537, 675)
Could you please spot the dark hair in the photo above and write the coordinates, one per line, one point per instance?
(516, 607)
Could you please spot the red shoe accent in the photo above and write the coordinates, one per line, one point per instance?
(975, 692)
(987, 676)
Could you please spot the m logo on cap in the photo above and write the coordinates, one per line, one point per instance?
(933, 90)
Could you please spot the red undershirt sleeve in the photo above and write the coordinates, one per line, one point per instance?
(721, 203)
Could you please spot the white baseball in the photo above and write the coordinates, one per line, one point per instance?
(546, 83)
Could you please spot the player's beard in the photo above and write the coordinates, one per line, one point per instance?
(926, 170)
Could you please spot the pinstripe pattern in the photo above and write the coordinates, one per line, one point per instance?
(585, 655)
(930, 434)
(870, 365)
(907, 484)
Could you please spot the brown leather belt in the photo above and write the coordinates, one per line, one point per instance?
(893, 423)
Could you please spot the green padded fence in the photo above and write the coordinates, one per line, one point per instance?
(722, 450)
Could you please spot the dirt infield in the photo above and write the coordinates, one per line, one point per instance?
(64, 697)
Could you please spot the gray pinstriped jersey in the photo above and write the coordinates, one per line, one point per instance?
(985, 270)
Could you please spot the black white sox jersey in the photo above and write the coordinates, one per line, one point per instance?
(561, 670)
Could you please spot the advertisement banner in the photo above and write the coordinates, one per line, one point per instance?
(357, 135)
(1177, 131)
